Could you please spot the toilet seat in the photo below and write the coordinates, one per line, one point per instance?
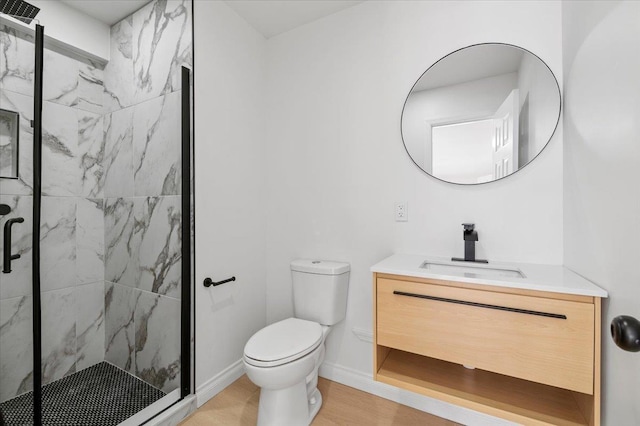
(283, 342)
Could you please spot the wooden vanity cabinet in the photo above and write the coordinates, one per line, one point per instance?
(527, 356)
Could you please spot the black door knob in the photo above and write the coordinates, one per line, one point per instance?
(625, 331)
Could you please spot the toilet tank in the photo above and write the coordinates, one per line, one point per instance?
(320, 290)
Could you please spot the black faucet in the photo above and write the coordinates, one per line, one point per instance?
(470, 236)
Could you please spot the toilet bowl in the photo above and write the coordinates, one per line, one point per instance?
(283, 358)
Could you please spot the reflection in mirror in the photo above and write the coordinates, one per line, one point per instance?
(9, 142)
(481, 113)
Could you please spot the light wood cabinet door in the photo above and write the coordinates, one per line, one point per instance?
(539, 339)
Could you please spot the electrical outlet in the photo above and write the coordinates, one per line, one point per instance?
(402, 212)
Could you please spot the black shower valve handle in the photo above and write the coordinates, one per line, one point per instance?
(8, 257)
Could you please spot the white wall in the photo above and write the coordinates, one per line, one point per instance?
(326, 101)
(230, 189)
(601, 175)
(74, 28)
(336, 163)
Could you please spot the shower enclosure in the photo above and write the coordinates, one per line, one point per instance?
(96, 216)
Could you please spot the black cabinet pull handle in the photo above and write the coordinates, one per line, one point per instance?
(4, 209)
(8, 257)
(208, 282)
(482, 305)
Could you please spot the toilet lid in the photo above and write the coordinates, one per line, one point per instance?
(285, 341)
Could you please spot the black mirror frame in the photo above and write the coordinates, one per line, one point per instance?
(404, 144)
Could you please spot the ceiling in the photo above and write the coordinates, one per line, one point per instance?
(273, 17)
(107, 11)
(269, 17)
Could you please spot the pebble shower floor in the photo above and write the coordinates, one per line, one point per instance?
(101, 395)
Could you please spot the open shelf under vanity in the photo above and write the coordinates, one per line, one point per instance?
(503, 396)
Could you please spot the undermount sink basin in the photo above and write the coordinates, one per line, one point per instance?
(471, 271)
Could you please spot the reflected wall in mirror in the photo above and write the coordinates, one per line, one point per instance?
(481, 113)
(9, 143)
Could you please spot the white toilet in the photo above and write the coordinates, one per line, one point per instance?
(283, 358)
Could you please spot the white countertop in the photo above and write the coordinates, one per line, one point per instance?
(551, 278)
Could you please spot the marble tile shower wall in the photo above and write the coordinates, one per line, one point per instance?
(72, 230)
(111, 207)
(142, 191)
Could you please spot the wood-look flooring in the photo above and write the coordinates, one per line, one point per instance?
(342, 405)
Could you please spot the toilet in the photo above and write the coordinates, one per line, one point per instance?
(283, 358)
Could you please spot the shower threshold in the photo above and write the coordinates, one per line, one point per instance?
(102, 394)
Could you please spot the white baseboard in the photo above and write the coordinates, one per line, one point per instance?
(364, 382)
(216, 384)
(174, 415)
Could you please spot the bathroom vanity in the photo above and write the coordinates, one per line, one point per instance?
(517, 341)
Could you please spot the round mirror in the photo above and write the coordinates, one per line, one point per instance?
(480, 113)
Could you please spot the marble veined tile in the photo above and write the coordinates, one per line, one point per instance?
(60, 170)
(120, 302)
(121, 246)
(90, 324)
(60, 78)
(58, 243)
(157, 358)
(90, 88)
(23, 105)
(58, 334)
(16, 346)
(118, 74)
(158, 227)
(91, 149)
(157, 146)
(161, 45)
(17, 64)
(118, 156)
(90, 240)
(18, 282)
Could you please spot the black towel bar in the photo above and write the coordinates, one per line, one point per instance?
(208, 282)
